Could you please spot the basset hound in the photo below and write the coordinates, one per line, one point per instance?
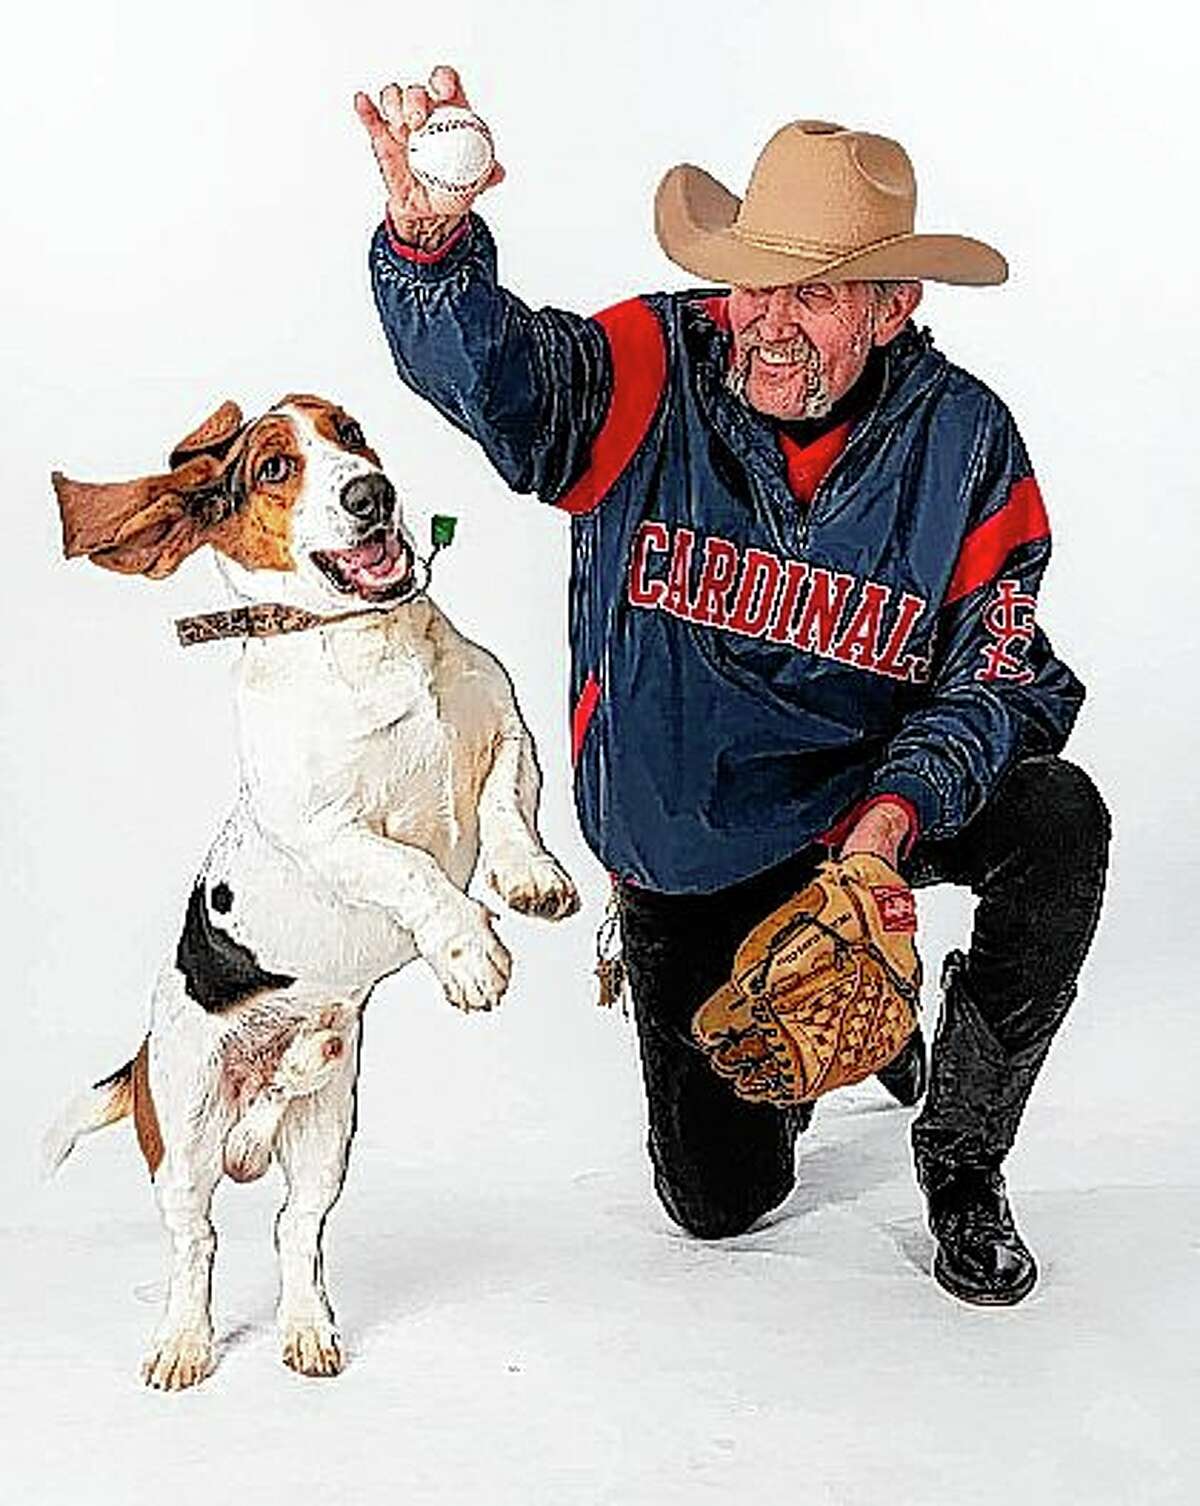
(383, 761)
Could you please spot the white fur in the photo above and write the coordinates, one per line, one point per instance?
(382, 757)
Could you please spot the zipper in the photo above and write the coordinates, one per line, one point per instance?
(735, 418)
(855, 440)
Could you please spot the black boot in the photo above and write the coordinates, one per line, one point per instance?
(978, 1088)
(906, 1076)
(979, 1082)
(980, 1256)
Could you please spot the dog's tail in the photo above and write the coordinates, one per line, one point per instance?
(114, 1097)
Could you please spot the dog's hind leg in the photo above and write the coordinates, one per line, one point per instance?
(193, 1127)
(312, 1144)
(515, 863)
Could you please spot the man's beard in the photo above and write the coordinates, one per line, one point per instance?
(817, 400)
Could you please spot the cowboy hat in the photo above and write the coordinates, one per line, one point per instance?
(823, 204)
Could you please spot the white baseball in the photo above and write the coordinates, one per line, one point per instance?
(452, 152)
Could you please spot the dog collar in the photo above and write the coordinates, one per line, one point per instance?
(263, 619)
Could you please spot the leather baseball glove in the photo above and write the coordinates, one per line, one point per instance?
(824, 991)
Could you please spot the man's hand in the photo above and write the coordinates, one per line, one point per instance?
(880, 830)
(420, 217)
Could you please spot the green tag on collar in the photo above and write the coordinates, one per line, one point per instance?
(441, 530)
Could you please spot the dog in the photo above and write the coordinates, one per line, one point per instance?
(384, 760)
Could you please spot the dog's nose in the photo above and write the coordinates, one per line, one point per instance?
(370, 499)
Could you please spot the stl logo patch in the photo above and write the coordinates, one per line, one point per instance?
(896, 906)
(1009, 619)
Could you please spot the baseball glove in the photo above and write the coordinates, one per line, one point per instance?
(824, 991)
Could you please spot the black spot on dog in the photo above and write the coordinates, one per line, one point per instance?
(219, 971)
(222, 897)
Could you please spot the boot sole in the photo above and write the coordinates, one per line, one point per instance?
(982, 1298)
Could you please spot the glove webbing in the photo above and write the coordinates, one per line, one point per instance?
(758, 981)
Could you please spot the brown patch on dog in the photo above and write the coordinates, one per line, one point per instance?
(332, 423)
(145, 1117)
(120, 1100)
(259, 533)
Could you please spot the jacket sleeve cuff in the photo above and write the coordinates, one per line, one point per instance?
(919, 793)
(845, 824)
(416, 265)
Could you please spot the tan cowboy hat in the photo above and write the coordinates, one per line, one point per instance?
(823, 204)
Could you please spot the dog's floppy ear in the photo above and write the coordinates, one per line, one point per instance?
(215, 436)
(149, 526)
(144, 527)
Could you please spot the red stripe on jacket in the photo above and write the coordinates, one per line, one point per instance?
(585, 706)
(717, 309)
(639, 373)
(1021, 520)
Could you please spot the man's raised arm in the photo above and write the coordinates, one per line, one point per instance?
(532, 387)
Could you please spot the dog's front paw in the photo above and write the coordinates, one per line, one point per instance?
(534, 884)
(179, 1360)
(312, 1348)
(471, 962)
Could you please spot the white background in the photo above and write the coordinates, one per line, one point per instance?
(186, 202)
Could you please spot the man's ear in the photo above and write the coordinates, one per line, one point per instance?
(893, 309)
(149, 526)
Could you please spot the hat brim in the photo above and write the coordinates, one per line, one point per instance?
(694, 219)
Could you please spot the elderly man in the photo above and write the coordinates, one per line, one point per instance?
(807, 550)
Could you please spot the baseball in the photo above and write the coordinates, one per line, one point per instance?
(452, 152)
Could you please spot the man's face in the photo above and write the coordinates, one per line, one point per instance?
(798, 349)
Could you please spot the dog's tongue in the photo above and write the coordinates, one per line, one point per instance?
(380, 562)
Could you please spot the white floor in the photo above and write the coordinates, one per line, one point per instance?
(524, 1326)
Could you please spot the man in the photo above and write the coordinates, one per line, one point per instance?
(806, 557)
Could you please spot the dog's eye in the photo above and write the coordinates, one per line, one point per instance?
(276, 468)
(350, 434)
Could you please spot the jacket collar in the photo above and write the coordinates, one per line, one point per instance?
(913, 368)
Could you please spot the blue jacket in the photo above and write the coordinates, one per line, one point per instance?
(745, 671)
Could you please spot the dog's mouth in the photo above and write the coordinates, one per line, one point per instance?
(378, 569)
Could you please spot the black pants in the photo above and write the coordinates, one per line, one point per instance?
(1035, 856)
